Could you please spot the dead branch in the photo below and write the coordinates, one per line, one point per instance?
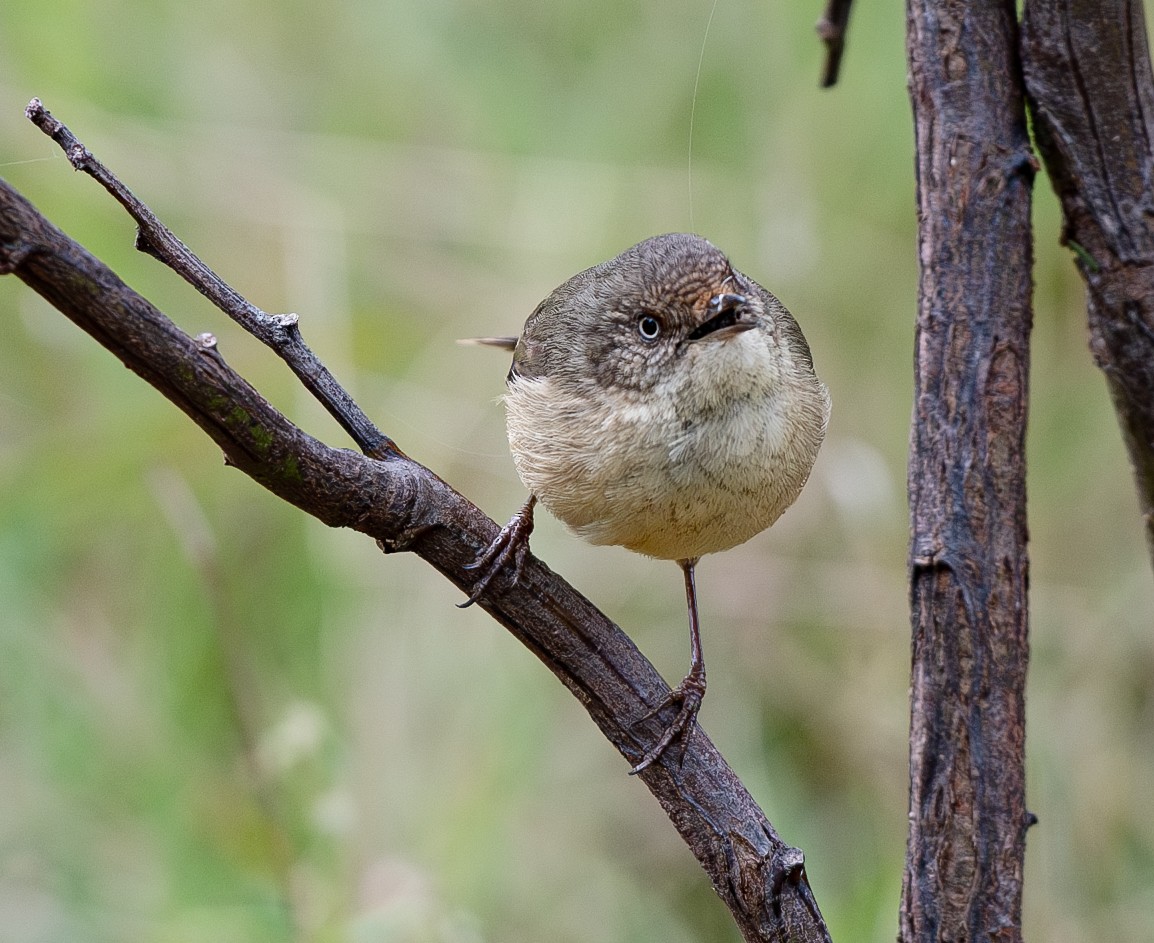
(405, 506)
(1087, 68)
(281, 332)
(831, 29)
(968, 563)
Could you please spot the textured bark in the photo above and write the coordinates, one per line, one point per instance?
(405, 506)
(1087, 68)
(968, 564)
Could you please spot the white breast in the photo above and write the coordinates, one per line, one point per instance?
(697, 465)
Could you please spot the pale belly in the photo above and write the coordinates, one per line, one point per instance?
(641, 476)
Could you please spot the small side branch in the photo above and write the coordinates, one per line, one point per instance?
(281, 332)
(832, 28)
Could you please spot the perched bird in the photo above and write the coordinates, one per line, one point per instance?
(664, 402)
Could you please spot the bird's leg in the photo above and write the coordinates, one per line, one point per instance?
(512, 543)
(691, 691)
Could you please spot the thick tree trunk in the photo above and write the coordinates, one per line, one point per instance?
(963, 878)
(1087, 68)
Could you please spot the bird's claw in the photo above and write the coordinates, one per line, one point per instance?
(511, 544)
(689, 694)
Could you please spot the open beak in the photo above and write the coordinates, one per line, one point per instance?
(728, 317)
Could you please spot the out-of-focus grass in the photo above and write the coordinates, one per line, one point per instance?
(221, 721)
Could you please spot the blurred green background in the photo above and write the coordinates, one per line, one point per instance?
(220, 720)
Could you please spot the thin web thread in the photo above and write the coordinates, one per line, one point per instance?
(693, 107)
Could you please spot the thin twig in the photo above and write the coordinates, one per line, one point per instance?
(832, 29)
(281, 332)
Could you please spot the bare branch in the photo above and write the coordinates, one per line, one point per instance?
(832, 29)
(1087, 68)
(281, 332)
(404, 506)
(968, 563)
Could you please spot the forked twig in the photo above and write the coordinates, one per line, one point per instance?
(281, 332)
(405, 506)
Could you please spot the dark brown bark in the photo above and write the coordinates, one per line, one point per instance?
(832, 29)
(1087, 68)
(407, 507)
(963, 877)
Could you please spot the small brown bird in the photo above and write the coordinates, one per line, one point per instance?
(667, 403)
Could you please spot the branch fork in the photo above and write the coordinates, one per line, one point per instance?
(405, 506)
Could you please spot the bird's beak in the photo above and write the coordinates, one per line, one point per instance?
(728, 316)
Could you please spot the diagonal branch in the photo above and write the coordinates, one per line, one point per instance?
(1087, 67)
(405, 506)
(281, 332)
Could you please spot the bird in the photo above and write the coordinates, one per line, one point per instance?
(664, 402)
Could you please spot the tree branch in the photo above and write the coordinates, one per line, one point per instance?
(404, 506)
(1087, 68)
(280, 332)
(831, 28)
(968, 564)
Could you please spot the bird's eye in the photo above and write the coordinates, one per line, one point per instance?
(648, 327)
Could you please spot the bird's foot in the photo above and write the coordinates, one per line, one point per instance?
(689, 695)
(510, 545)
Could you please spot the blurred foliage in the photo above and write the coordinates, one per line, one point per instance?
(221, 721)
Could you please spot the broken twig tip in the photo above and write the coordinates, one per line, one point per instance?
(831, 29)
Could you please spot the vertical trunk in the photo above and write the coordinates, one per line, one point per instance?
(1087, 68)
(963, 877)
